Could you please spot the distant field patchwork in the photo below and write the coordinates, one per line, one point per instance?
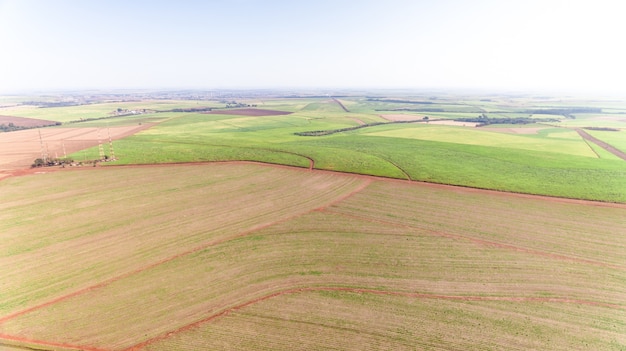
(520, 144)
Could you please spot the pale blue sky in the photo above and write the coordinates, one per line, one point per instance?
(533, 45)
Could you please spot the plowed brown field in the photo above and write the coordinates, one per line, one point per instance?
(251, 257)
(26, 122)
(19, 149)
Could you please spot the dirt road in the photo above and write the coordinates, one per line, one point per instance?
(602, 144)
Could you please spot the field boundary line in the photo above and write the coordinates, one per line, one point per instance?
(591, 148)
(310, 159)
(539, 197)
(406, 174)
(483, 242)
(342, 198)
(340, 104)
(289, 291)
(606, 146)
(198, 248)
(45, 345)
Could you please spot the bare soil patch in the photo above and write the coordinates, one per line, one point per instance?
(19, 149)
(495, 244)
(413, 243)
(413, 295)
(13, 342)
(453, 123)
(401, 117)
(446, 122)
(360, 122)
(26, 122)
(255, 112)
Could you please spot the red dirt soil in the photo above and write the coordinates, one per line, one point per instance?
(45, 343)
(331, 288)
(19, 149)
(325, 208)
(360, 122)
(173, 257)
(305, 289)
(25, 122)
(488, 243)
(455, 188)
(255, 112)
(369, 291)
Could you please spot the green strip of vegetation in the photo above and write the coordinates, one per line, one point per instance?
(334, 131)
(503, 169)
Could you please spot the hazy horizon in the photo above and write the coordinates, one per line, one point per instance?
(486, 45)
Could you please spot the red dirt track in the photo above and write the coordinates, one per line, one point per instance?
(602, 144)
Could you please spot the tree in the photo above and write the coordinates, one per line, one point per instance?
(38, 163)
(425, 119)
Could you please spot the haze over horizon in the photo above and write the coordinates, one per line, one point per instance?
(550, 45)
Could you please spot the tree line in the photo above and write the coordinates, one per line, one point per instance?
(333, 131)
(483, 120)
(11, 127)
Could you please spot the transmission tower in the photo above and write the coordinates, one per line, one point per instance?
(44, 156)
(100, 148)
(111, 145)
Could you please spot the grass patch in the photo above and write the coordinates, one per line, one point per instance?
(504, 169)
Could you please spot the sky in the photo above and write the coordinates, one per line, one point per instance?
(493, 45)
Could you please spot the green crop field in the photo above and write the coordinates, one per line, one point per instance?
(615, 139)
(559, 141)
(248, 256)
(596, 120)
(535, 158)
